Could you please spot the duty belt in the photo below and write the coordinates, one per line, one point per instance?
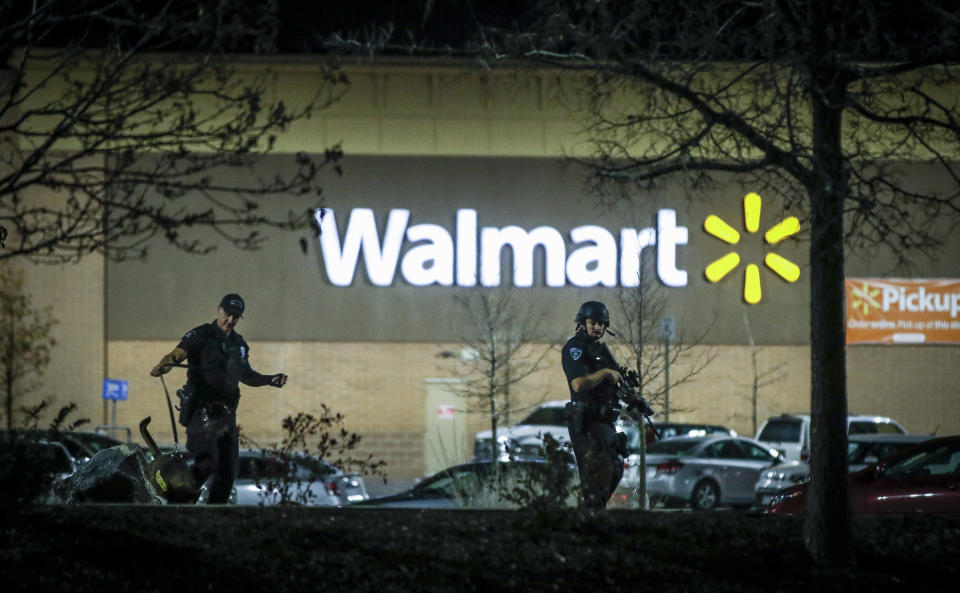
(215, 409)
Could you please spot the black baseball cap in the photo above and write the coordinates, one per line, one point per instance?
(232, 304)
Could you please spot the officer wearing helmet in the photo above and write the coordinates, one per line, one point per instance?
(593, 408)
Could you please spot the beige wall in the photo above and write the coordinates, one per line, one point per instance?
(380, 389)
(75, 291)
(76, 367)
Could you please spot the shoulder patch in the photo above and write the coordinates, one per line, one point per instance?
(190, 334)
(243, 352)
(575, 353)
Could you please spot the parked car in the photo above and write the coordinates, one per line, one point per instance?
(49, 457)
(469, 485)
(80, 445)
(667, 430)
(84, 445)
(30, 464)
(524, 440)
(706, 472)
(267, 479)
(625, 495)
(862, 450)
(790, 433)
(924, 478)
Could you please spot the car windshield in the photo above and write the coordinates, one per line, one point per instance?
(938, 460)
(276, 467)
(459, 482)
(52, 458)
(786, 430)
(673, 446)
(859, 452)
(549, 416)
(96, 442)
(76, 449)
(263, 468)
(692, 430)
(872, 427)
(314, 466)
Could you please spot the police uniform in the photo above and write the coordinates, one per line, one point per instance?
(591, 416)
(217, 363)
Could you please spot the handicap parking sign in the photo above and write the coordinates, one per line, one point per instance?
(115, 389)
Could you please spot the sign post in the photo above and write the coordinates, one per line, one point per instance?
(115, 390)
(668, 330)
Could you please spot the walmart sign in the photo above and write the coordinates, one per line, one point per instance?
(471, 254)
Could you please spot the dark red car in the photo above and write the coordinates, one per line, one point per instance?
(921, 479)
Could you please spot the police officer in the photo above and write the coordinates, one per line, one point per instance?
(594, 407)
(218, 360)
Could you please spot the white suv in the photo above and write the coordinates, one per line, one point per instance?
(790, 433)
(524, 440)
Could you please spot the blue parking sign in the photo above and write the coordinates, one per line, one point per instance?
(115, 389)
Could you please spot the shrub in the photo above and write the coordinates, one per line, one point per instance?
(308, 445)
(29, 460)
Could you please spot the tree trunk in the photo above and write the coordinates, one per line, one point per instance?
(826, 529)
(9, 355)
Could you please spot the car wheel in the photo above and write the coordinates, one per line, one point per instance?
(706, 496)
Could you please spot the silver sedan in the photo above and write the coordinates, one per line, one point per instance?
(706, 472)
(268, 478)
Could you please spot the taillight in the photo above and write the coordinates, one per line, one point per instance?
(805, 454)
(669, 467)
(332, 489)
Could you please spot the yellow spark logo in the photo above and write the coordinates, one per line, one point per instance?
(783, 267)
(864, 298)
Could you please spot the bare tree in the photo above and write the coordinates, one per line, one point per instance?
(644, 309)
(818, 103)
(502, 338)
(25, 340)
(122, 120)
(760, 377)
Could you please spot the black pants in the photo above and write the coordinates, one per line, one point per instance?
(213, 438)
(598, 461)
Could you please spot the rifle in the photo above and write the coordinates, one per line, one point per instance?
(627, 393)
(635, 404)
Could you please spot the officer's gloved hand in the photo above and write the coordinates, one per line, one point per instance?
(278, 380)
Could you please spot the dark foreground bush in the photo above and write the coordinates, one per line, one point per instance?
(31, 459)
(142, 548)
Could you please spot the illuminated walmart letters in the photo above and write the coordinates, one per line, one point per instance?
(437, 258)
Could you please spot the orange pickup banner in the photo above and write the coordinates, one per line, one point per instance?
(895, 311)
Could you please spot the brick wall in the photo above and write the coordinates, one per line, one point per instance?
(381, 391)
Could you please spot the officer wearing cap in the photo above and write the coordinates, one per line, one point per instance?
(218, 360)
(593, 408)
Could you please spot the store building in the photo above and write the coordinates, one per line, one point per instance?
(454, 180)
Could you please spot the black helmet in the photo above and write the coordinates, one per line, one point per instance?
(592, 310)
